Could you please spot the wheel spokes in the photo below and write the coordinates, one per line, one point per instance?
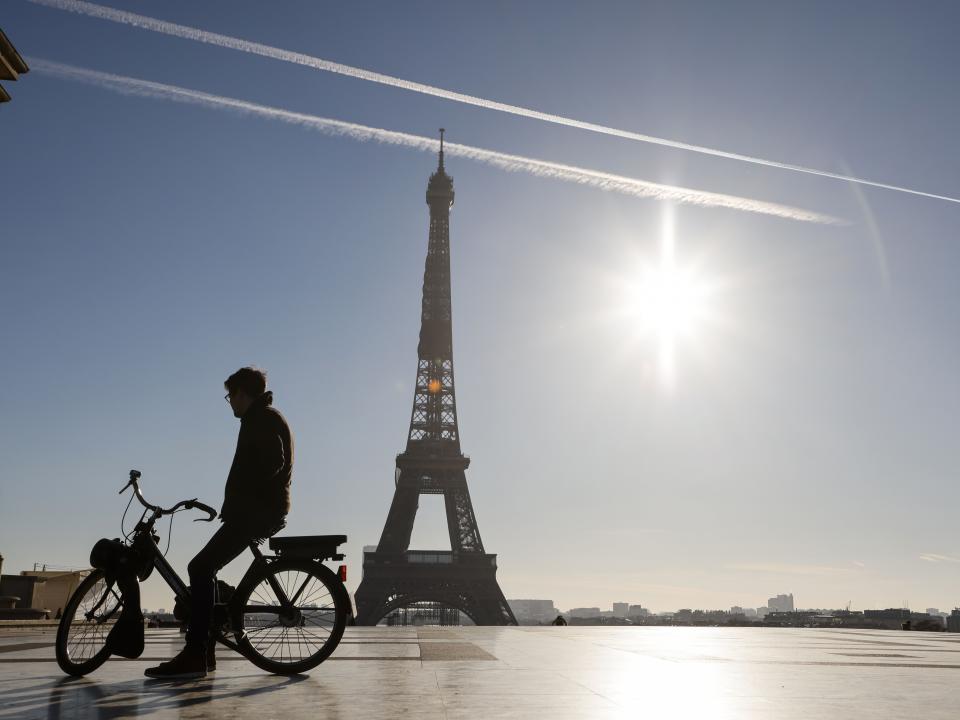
(91, 620)
(295, 630)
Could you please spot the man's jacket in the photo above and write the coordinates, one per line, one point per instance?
(257, 496)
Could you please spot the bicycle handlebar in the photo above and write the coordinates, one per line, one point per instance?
(191, 504)
(185, 504)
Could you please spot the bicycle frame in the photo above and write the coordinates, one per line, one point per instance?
(144, 542)
(271, 598)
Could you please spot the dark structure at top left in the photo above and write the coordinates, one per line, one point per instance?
(12, 65)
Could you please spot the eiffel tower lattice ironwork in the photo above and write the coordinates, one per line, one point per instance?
(465, 576)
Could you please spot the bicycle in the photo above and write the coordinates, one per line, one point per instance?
(286, 616)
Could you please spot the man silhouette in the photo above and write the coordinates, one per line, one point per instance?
(256, 502)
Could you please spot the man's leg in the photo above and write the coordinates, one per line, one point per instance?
(226, 544)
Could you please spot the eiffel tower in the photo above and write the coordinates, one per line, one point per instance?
(465, 576)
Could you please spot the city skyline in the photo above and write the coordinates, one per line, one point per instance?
(784, 419)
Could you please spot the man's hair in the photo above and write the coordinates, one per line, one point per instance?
(251, 380)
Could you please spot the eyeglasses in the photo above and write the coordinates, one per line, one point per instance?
(227, 397)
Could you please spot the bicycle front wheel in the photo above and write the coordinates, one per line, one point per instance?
(86, 621)
(291, 616)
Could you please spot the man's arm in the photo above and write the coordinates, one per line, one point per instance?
(270, 452)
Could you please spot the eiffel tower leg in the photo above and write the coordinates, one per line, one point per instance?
(399, 526)
(371, 602)
(488, 606)
(461, 522)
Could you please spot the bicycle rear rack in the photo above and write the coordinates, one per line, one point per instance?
(315, 547)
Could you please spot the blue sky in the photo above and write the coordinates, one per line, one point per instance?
(808, 443)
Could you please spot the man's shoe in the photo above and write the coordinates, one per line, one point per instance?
(212, 656)
(188, 664)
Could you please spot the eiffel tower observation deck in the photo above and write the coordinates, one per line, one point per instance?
(463, 577)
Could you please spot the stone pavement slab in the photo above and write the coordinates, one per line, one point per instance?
(491, 673)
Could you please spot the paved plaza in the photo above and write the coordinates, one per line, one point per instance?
(490, 673)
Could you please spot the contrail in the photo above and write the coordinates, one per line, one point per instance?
(510, 163)
(191, 33)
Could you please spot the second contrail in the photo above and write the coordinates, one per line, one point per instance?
(512, 163)
(191, 33)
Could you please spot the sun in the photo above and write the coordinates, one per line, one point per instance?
(667, 302)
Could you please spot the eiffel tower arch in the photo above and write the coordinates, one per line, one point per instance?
(432, 464)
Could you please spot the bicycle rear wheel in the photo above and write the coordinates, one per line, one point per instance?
(295, 629)
(86, 621)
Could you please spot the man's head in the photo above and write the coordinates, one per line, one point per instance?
(243, 387)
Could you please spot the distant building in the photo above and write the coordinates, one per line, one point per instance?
(953, 621)
(621, 609)
(762, 612)
(902, 618)
(932, 622)
(737, 610)
(686, 616)
(11, 64)
(584, 612)
(163, 620)
(531, 612)
(19, 598)
(54, 587)
(793, 618)
(899, 614)
(635, 611)
(750, 612)
(366, 549)
(781, 603)
(37, 594)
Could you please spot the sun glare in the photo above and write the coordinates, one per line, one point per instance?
(667, 302)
